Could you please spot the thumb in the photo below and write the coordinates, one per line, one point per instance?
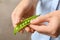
(16, 21)
(40, 19)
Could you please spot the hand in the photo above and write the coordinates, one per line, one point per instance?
(23, 10)
(53, 26)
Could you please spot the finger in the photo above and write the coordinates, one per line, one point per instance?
(27, 29)
(40, 19)
(42, 28)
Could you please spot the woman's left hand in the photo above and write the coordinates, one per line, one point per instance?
(53, 26)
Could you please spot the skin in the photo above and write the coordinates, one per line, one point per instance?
(27, 8)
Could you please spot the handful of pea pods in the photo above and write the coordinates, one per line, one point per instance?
(24, 23)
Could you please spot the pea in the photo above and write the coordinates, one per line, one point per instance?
(24, 23)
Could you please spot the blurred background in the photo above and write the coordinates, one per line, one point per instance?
(6, 29)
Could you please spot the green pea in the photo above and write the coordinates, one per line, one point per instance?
(24, 23)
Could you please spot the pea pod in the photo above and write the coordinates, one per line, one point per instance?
(24, 23)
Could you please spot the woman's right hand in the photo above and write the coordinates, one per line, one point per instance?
(23, 10)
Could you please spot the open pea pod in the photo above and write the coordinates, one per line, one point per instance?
(24, 23)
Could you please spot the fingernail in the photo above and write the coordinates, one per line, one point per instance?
(32, 21)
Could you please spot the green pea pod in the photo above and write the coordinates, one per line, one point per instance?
(24, 23)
